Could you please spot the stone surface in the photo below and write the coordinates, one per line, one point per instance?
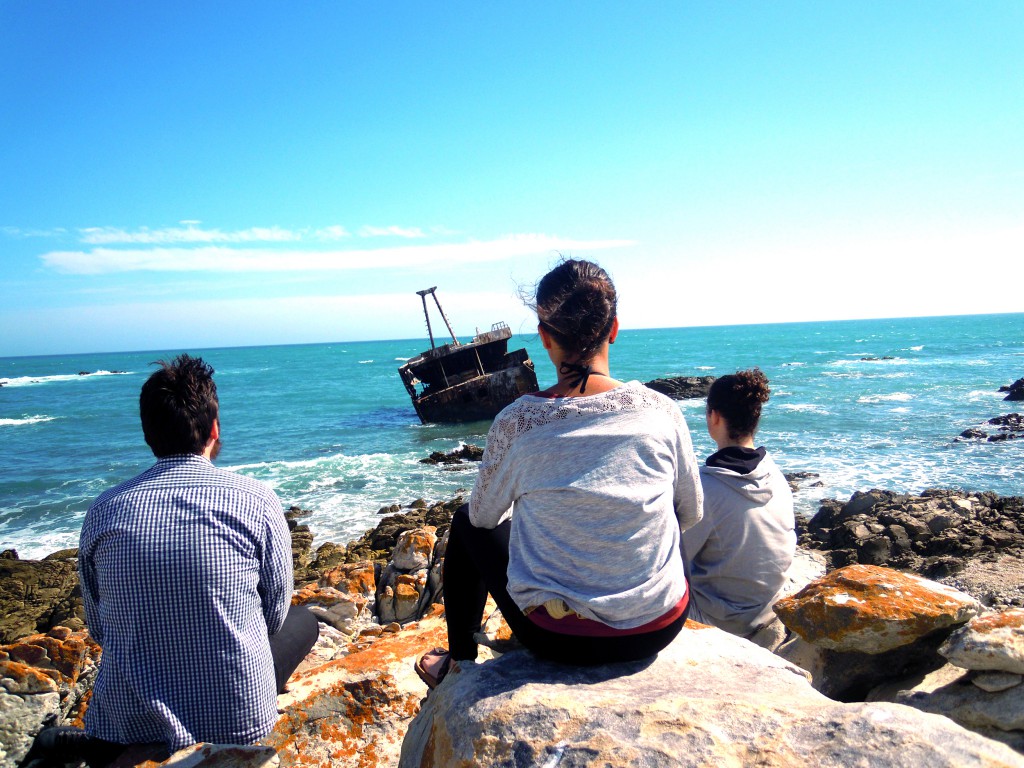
(354, 711)
(949, 692)
(414, 550)
(993, 682)
(709, 699)
(850, 675)
(870, 609)
(43, 678)
(36, 595)
(992, 641)
(682, 387)
(1014, 391)
(937, 534)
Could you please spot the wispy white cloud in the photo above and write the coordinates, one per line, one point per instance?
(189, 233)
(25, 233)
(408, 232)
(222, 258)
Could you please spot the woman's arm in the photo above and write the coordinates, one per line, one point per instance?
(689, 496)
(494, 492)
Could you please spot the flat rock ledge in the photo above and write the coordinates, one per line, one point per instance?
(708, 699)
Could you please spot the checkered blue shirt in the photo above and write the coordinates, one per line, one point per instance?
(186, 570)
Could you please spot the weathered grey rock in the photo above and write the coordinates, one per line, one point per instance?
(849, 675)
(948, 691)
(993, 682)
(992, 641)
(708, 699)
(21, 718)
(414, 549)
(870, 609)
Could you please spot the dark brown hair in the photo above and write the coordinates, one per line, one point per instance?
(738, 398)
(178, 406)
(576, 303)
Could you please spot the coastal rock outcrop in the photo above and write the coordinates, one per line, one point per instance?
(936, 534)
(1008, 427)
(682, 387)
(460, 455)
(1014, 391)
(43, 678)
(37, 595)
(708, 699)
(861, 625)
(980, 688)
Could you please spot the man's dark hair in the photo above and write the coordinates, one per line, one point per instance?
(178, 406)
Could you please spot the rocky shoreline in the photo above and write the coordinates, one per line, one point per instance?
(378, 601)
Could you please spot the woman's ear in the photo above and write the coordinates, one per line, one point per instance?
(615, 330)
(545, 338)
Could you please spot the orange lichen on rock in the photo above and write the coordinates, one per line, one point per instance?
(1012, 619)
(872, 609)
(354, 578)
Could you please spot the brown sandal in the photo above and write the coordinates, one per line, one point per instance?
(433, 666)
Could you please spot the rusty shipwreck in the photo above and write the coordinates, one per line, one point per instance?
(466, 382)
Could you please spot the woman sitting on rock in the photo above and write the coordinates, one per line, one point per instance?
(574, 522)
(740, 552)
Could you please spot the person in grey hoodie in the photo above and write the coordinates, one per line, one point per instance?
(738, 555)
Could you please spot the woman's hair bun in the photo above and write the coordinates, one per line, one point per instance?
(754, 384)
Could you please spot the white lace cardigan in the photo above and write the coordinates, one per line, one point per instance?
(598, 488)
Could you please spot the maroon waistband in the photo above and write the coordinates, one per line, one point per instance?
(577, 625)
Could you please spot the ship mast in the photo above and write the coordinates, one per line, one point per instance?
(423, 296)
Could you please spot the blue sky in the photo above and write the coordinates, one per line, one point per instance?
(192, 174)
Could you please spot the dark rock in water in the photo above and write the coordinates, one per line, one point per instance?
(467, 452)
(795, 479)
(1014, 391)
(683, 387)
(63, 554)
(1011, 427)
(9, 554)
(876, 359)
(302, 545)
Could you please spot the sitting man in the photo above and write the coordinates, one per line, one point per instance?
(186, 575)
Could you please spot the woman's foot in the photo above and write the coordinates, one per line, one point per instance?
(432, 667)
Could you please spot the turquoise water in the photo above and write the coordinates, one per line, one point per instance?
(330, 427)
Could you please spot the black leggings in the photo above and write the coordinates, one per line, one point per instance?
(476, 562)
(292, 642)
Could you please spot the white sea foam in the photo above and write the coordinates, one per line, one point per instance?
(984, 394)
(899, 397)
(705, 367)
(803, 408)
(24, 381)
(901, 409)
(401, 359)
(918, 348)
(25, 420)
(794, 364)
(364, 362)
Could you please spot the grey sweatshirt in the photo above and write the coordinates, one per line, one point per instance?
(598, 487)
(741, 550)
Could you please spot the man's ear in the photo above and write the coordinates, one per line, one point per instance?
(214, 432)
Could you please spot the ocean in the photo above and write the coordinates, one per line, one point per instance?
(863, 404)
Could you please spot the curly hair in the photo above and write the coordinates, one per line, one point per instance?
(576, 303)
(738, 397)
(178, 406)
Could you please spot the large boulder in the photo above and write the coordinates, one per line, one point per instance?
(44, 678)
(993, 641)
(708, 699)
(871, 610)
(37, 595)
